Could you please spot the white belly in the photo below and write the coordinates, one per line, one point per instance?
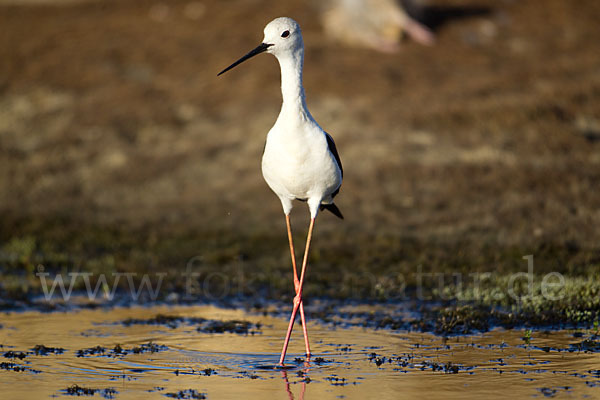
(300, 167)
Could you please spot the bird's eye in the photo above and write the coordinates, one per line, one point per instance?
(285, 34)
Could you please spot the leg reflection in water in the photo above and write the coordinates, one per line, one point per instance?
(305, 379)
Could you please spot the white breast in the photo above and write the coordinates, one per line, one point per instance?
(297, 163)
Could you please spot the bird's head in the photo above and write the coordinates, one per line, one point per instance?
(282, 37)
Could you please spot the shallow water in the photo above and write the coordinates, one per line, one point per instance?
(493, 364)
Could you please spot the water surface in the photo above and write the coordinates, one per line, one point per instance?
(163, 360)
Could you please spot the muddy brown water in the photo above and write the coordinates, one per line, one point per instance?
(349, 363)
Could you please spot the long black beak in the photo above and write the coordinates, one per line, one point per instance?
(259, 49)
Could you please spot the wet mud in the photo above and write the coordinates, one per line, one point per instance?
(103, 356)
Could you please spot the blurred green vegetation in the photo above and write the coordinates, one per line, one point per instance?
(463, 285)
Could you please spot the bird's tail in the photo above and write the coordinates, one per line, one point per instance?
(332, 208)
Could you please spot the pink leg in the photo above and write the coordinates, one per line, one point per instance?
(292, 251)
(297, 284)
(289, 331)
(298, 298)
(304, 329)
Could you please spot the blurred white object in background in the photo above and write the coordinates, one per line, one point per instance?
(377, 24)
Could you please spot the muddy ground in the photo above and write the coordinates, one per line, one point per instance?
(120, 149)
(203, 352)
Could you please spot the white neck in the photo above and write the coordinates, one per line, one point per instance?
(292, 91)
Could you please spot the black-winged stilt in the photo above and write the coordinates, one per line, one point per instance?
(300, 161)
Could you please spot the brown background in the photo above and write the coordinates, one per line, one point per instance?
(111, 114)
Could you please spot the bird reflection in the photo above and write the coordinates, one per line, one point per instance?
(303, 373)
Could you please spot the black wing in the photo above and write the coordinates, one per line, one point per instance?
(333, 150)
(332, 207)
